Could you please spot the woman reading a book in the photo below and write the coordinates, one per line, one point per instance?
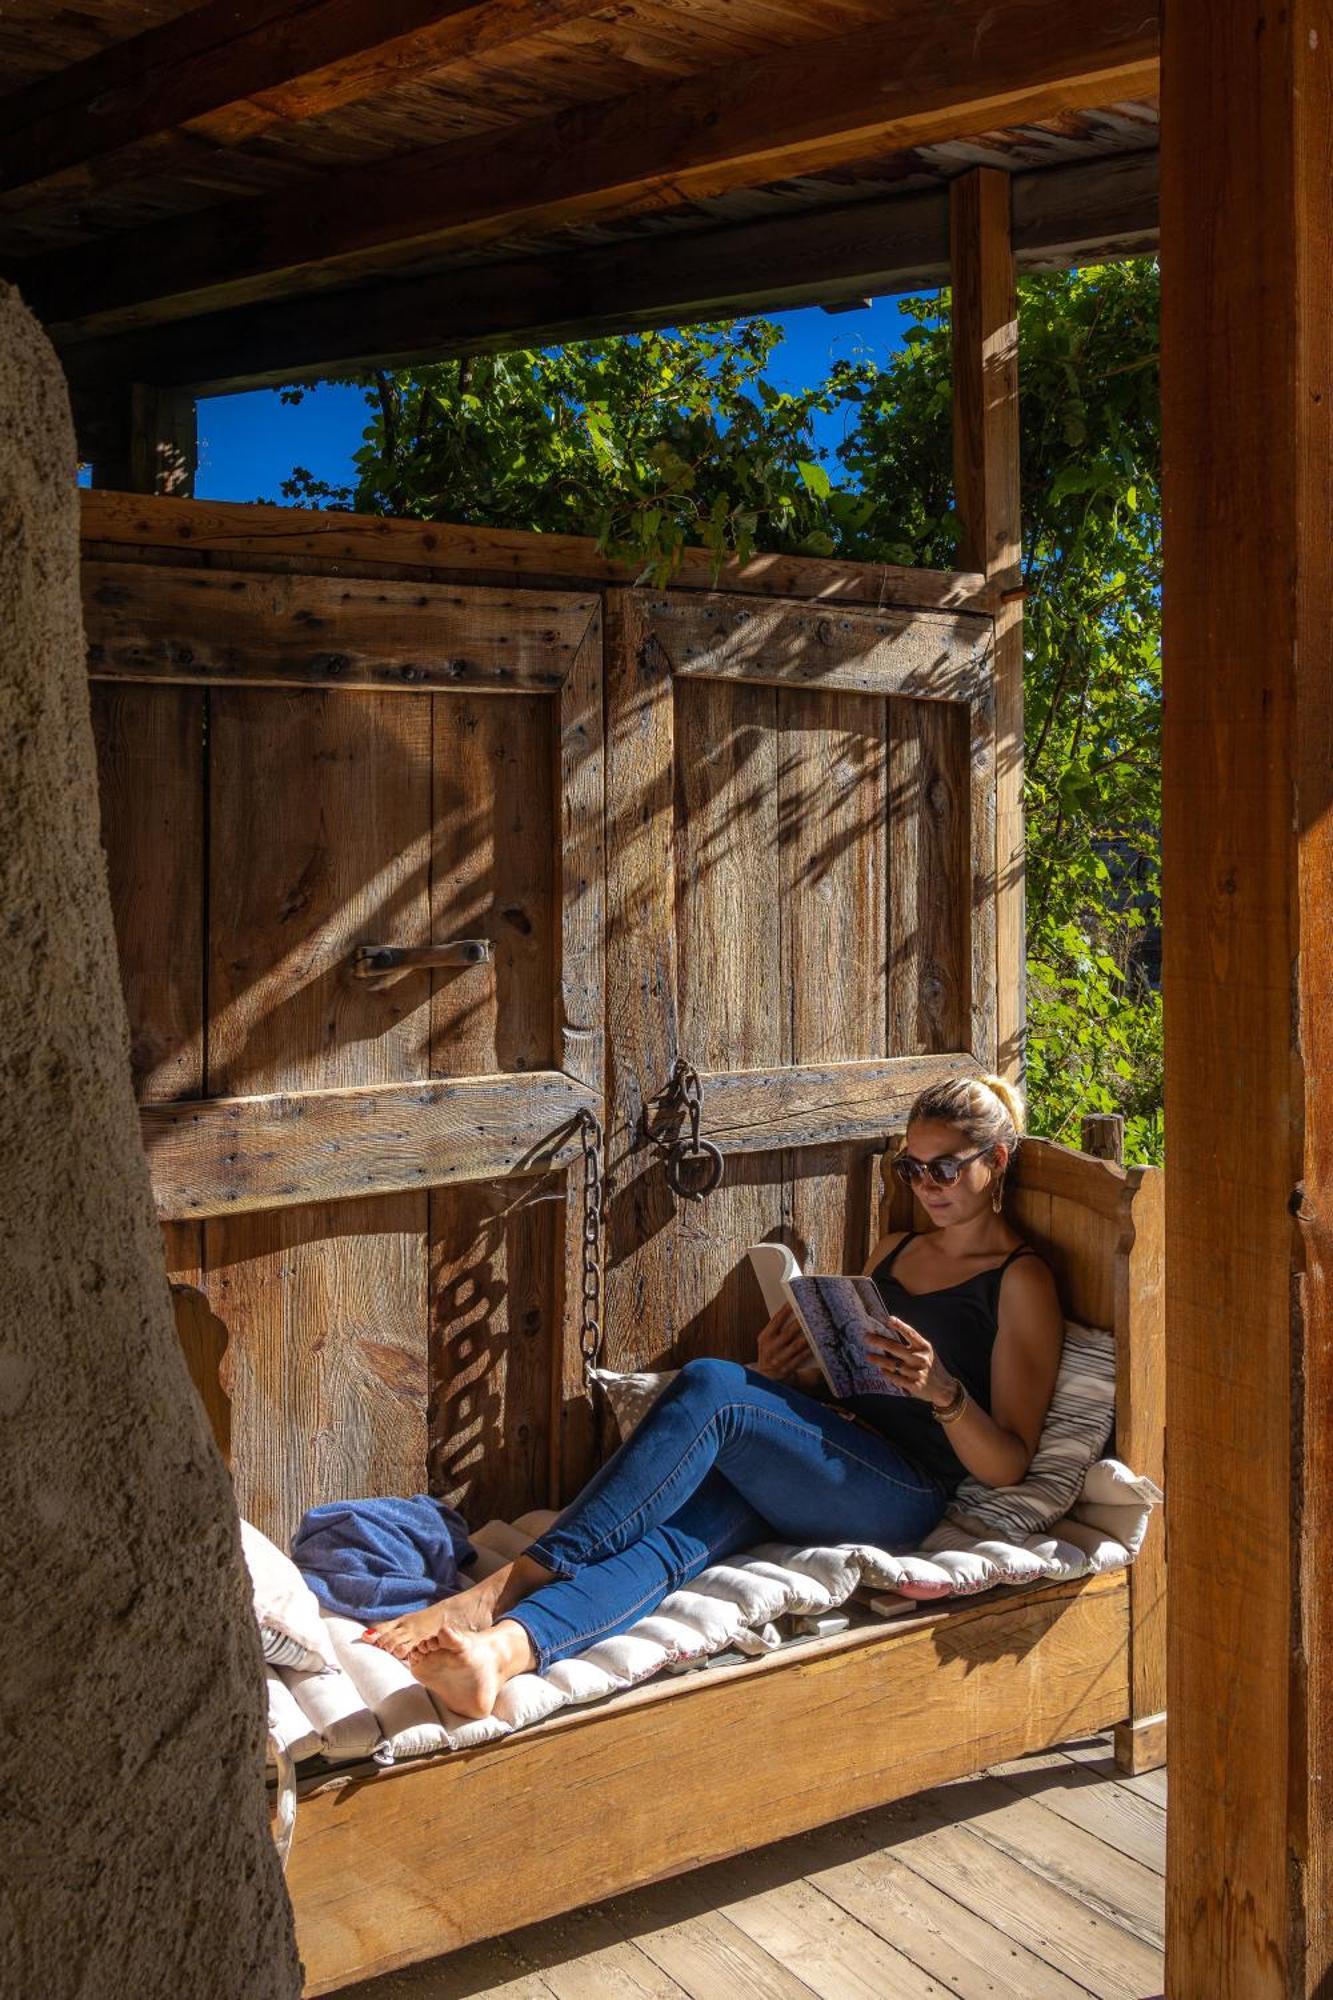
(730, 1456)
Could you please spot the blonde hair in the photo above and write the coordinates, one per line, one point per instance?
(988, 1110)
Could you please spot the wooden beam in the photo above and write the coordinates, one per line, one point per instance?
(922, 76)
(222, 74)
(227, 1155)
(930, 656)
(113, 521)
(1247, 398)
(757, 1110)
(1062, 216)
(986, 485)
(214, 627)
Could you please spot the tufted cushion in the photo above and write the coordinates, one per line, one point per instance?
(291, 1630)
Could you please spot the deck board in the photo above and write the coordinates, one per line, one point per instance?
(1038, 1880)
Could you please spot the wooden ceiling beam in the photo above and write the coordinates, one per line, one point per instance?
(924, 75)
(224, 73)
(1062, 216)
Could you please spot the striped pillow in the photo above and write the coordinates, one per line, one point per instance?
(1073, 1435)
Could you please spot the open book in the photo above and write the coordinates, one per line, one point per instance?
(834, 1314)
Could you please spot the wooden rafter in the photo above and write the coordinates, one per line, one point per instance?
(226, 72)
(924, 75)
(1062, 216)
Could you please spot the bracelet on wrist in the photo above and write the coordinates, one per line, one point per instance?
(949, 1412)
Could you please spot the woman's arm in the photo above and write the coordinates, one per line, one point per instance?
(997, 1447)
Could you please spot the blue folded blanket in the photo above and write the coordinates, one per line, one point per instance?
(371, 1559)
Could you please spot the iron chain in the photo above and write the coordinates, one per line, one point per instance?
(590, 1320)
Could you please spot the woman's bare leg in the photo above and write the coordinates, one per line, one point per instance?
(472, 1610)
(466, 1670)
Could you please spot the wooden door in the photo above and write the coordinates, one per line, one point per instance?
(370, 1185)
(801, 852)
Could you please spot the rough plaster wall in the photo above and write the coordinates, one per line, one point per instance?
(135, 1858)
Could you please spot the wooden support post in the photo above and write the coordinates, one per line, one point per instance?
(986, 488)
(1247, 394)
(1104, 1136)
(144, 440)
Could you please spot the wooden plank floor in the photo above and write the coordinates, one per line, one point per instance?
(1040, 1880)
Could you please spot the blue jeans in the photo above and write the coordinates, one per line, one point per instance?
(724, 1459)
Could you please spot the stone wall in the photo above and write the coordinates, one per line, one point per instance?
(135, 1858)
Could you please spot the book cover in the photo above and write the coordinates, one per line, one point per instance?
(834, 1313)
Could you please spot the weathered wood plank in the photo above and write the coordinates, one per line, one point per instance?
(218, 627)
(228, 1155)
(320, 841)
(131, 522)
(990, 1681)
(1247, 403)
(929, 912)
(985, 898)
(326, 1312)
(150, 758)
(580, 1000)
(984, 326)
(493, 1292)
(931, 655)
(832, 842)
(495, 857)
(642, 983)
(820, 1104)
(915, 78)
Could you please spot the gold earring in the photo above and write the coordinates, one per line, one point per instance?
(997, 1199)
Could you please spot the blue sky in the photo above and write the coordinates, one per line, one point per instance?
(248, 444)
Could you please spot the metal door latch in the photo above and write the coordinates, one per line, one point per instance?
(383, 965)
(693, 1166)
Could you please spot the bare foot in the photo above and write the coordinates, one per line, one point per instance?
(467, 1670)
(472, 1610)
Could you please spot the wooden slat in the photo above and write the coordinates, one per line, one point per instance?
(580, 1006)
(1247, 370)
(227, 529)
(986, 479)
(641, 976)
(228, 1155)
(1062, 216)
(228, 71)
(495, 870)
(382, 1884)
(148, 623)
(929, 656)
(493, 1292)
(988, 968)
(929, 912)
(820, 1104)
(917, 78)
(832, 845)
(326, 1312)
(150, 753)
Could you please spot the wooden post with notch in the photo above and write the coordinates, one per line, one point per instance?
(1247, 400)
(987, 493)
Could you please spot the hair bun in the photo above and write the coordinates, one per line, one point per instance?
(1011, 1097)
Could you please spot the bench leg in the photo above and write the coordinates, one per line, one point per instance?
(1140, 1744)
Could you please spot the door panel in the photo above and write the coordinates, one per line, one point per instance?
(379, 1176)
(801, 875)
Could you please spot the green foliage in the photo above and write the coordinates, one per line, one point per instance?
(648, 443)
(657, 440)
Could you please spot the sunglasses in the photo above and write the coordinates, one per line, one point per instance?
(942, 1173)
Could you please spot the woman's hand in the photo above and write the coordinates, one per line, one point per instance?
(784, 1351)
(910, 1363)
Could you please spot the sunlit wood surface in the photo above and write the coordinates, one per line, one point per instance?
(1040, 1880)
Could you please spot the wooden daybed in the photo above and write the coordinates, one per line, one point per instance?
(760, 827)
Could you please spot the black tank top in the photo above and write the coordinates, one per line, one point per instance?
(960, 1322)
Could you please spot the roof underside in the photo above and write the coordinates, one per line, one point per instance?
(252, 189)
